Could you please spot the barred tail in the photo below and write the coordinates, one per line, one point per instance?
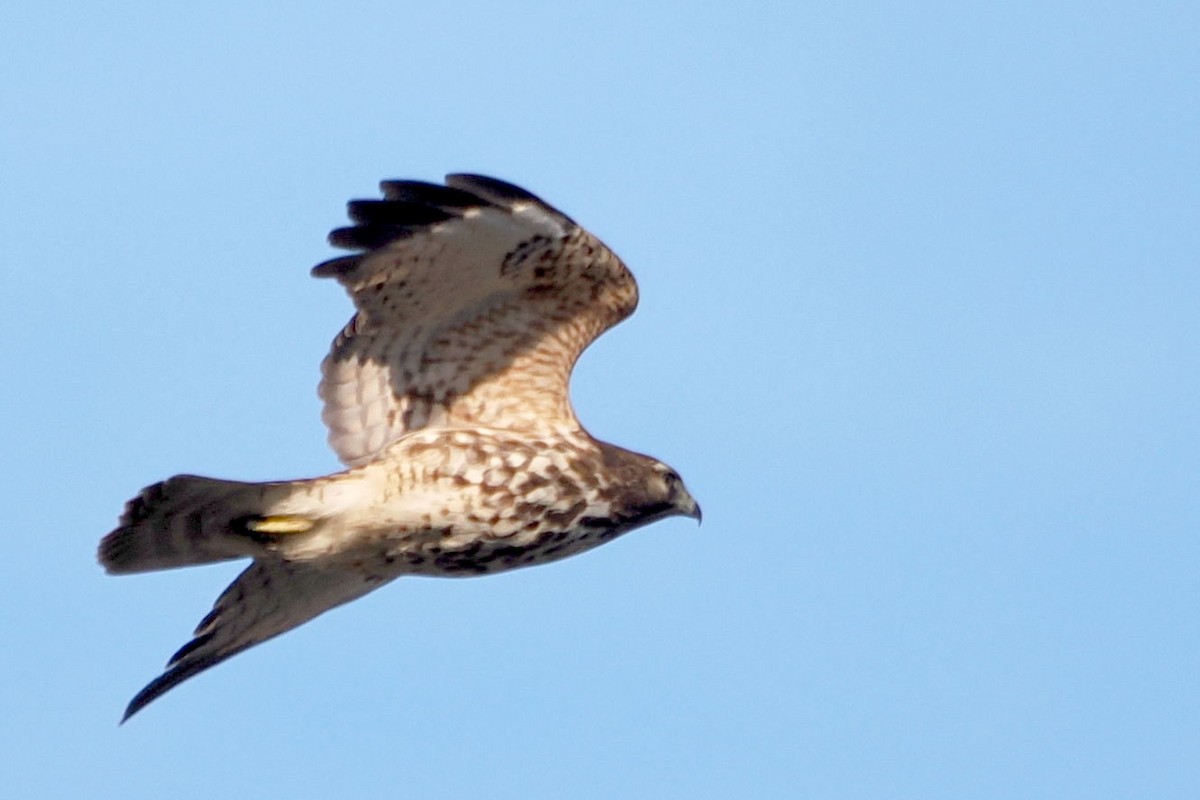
(183, 521)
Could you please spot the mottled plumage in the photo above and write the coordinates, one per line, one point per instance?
(446, 396)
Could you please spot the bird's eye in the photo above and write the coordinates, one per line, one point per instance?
(671, 477)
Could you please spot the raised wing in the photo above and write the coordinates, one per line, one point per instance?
(474, 301)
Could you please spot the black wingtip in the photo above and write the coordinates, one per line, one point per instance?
(493, 189)
(410, 207)
(337, 267)
(397, 212)
(160, 686)
(381, 222)
(130, 710)
(140, 701)
(369, 237)
(174, 676)
(501, 193)
(436, 195)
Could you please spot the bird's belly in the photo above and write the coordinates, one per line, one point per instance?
(446, 556)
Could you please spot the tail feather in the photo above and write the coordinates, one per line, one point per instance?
(184, 521)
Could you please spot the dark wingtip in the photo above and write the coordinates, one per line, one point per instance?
(146, 696)
(494, 189)
(177, 674)
(336, 267)
(501, 193)
(436, 195)
(369, 237)
(403, 213)
(160, 686)
(410, 207)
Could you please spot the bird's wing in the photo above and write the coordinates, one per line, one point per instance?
(267, 599)
(474, 300)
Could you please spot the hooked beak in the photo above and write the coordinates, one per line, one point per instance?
(688, 507)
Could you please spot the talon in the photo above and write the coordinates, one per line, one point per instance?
(280, 525)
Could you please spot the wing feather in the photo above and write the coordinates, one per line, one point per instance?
(267, 599)
(474, 300)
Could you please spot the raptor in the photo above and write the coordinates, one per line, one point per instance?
(446, 398)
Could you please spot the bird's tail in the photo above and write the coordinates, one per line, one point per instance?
(188, 520)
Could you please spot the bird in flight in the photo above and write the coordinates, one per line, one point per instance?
(446, 397)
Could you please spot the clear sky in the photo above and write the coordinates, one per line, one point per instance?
(919, 327)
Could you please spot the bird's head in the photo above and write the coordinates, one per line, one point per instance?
(649, 490)
(670, 495)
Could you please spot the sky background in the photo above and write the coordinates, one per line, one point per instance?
(918, 326)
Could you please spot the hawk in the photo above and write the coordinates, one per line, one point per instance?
(446, 397)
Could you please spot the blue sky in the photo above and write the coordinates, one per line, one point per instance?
(918, 326)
